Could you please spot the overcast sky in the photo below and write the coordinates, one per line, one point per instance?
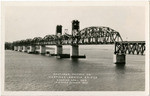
(22, 22)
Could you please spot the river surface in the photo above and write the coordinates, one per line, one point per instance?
(32, 72)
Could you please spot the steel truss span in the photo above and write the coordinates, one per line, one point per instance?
(86, 36)
(130, 47)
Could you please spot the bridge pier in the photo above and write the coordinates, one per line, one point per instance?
(74, 52)
(24, 49)
(59, 47)
(20, 48)
(42, 49)
(31, 49)
(119, 58)
(15, 48)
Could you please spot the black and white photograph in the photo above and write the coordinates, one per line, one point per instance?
(75, 47)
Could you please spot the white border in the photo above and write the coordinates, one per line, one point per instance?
(78, 93)
(0, 49)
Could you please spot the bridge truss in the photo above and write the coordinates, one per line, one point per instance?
(89, 36)
(86, 36)
(130, 47)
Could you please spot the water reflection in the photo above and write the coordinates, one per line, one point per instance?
(120, 68)
(75, 61)
(75, 65)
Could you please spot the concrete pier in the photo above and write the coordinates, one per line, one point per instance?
(20, 48)
(24, 49)
(119, 58)
(42, 49)
(75, 47)
(31, 49)
(74, 50)
(15, 48)
(59, 48)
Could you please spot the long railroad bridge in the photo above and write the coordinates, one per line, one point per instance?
(88, 36)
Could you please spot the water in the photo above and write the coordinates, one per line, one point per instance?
(30, 72)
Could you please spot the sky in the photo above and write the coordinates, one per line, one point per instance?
(23, 22)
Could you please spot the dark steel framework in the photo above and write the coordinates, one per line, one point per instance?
(87, 36)
(130, 47)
